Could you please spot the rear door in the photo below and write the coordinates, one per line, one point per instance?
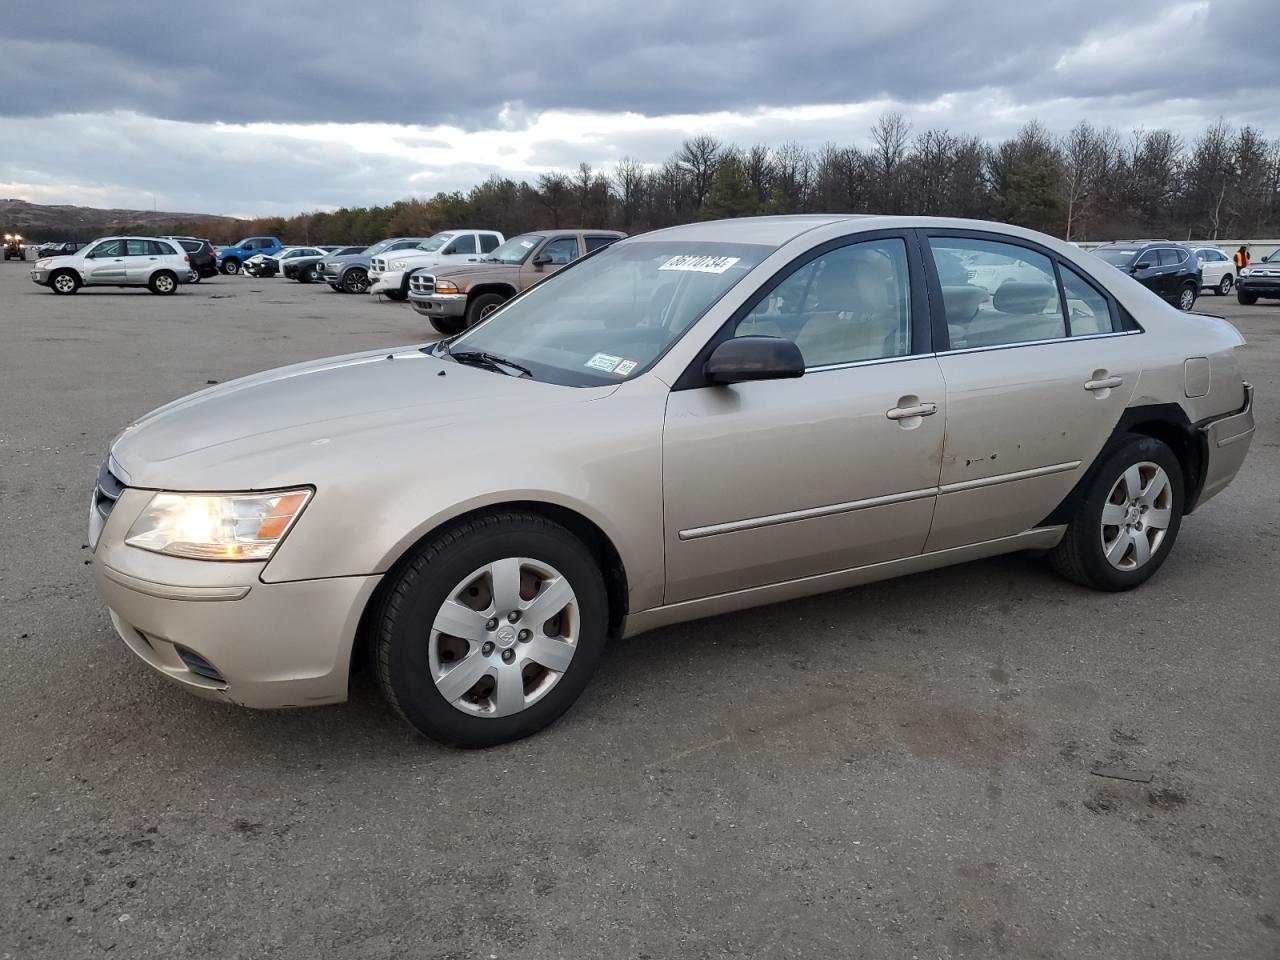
(1037, 375)
(141, 258)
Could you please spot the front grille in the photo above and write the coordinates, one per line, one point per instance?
(422, 283)
(107, 491)
(198, 664)
(379, 264)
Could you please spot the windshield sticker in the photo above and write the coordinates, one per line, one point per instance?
(526, 244)
(625, 367)
(604, 361)
(703, 264)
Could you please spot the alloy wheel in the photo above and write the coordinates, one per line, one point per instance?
(1187, 300)
(1136, 515)
(504, 637)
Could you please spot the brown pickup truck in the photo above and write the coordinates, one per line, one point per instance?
(456, 297)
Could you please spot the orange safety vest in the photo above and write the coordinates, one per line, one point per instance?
(1242, 260)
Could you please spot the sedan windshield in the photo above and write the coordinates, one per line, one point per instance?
(432, 244)
(517, 249)
(378, 247)
(1116, 256)
(610, 316)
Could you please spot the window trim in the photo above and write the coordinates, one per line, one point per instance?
(692, 378)
(937, 312)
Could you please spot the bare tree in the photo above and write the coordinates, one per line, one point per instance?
(890, 138)
(629, 181)
(699, 156)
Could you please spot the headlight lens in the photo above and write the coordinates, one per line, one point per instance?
(399, 264)
(444, 286)
(1245, 272)
(43, 263)
(230, 526)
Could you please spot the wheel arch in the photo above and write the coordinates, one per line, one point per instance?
(1166, 422)
(506, 289)
(585, 529)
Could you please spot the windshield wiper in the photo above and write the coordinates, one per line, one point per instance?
(490, 360)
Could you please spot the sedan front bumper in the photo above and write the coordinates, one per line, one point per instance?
(217, 630)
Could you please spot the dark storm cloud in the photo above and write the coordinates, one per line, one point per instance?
(428, 63)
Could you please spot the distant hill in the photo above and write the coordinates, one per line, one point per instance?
(41, 222)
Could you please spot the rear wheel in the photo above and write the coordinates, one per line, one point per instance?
(1248, 299)
(64, 282)
(337, 287)
(1187, 297)
(1126, 521)
(1225, 284)
(163, 283)
(482, 305)
(491, 630)
(355, 280)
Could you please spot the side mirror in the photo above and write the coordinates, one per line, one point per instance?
(1142, 265)
(742, 359)
(542, 259)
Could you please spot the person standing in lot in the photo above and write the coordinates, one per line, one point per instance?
(1241, 258)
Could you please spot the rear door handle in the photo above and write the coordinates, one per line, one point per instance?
(915, 410)
(1106, 383)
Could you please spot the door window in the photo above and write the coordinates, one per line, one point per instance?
(140, 248)
(463, 244)
(849, 304)
(109, 248)
(561, 251)
(996, 293)
(488, 242)
(1089, 311)
(595, 243)
(1169, 257)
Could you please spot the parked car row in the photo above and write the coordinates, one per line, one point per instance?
(1178, 272)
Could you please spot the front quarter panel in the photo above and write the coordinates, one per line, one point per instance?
(600, 458)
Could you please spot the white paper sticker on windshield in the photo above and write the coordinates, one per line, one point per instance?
(702, 264)
(603, 361)
(526, 244)
(625, 367)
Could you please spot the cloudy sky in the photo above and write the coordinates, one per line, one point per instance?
(277, 107)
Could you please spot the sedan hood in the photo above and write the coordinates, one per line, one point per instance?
(275, 428)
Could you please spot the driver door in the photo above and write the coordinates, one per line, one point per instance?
(106, 263)
(775, 480)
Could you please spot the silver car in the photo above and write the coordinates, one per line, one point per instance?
(691, 421)
(158, 263)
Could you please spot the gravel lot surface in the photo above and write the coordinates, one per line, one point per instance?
(894, 771)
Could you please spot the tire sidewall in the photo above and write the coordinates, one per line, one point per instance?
(1087, 524)
(154, 283)
(75, 283)
(349, 284)
(448, 326)
(416, 599)
(478, 304)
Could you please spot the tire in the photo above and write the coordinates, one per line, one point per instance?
(230, 267)
(454, 571)
(449, 326)
(1127, 484)
(1187, 297)
(309, 275)
(482, 305)
(163, 283)
(64, 282)
(1224, 285)
(356, 280)
(1247, 299)
(195, 277)
(398, 295)
(337, 288)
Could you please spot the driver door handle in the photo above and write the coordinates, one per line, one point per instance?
(1106, 383)
(915, 410)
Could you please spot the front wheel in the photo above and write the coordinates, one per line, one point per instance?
(449, 326)
(230, 266)
(64, 282)
(1225, 285)
(1247, 299)
(490, 631)
(483, 305)
(309, 275)
(1187, 298)
(355, 281)
(1126, 520)
(397, 295)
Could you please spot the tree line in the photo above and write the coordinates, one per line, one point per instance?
(1091, 183)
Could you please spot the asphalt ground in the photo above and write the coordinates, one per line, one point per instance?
(900, 770)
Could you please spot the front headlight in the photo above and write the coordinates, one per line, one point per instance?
(399, 264)
(444, 286)
(1246, 271)
(42, 264)
(228, 526)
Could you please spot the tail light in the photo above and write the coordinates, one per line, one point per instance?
(186, 259)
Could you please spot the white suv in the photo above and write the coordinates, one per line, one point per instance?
(117, 262)
(390, 272)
